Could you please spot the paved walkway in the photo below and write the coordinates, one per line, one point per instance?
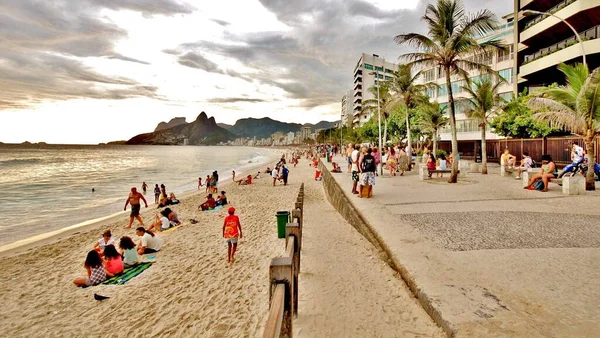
(346, 289)
(490, 258)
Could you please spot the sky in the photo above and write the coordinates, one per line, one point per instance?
(91, 71)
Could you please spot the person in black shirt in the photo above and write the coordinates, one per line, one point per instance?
(367, 168)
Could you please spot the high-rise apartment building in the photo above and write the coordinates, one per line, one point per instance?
(543, 41)
(365, 72)
(346, 113)
(500, 61)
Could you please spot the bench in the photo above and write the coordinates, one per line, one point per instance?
(573, 185)
(424, 172)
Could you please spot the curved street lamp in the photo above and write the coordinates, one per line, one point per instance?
(529, 12)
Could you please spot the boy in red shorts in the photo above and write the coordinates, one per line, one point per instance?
(232, 230)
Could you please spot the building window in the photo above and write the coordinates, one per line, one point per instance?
(379, 69)
(368, 66)
(506, 74)
(429, 75)
(506, 96)
(431, 93)
(388, 78)
(505, 54)
(388, 70)
(443, 90)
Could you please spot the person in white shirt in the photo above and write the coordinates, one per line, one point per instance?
(149, 242)
(526, 163)
(104, 241)
(275, 174)
(354, 158)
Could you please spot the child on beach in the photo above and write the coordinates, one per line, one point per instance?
(95, 270)
(199, 182)
(232, 231)
(257, 176)
(127, 250)
(104, 241)
(113, 262)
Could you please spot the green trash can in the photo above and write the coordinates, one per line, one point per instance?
(282, 221)
(328, 158)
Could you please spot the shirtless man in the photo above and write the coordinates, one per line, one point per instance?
(134, 199)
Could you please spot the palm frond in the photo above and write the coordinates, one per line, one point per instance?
(418, 41)
(588, 100)
(482, 23)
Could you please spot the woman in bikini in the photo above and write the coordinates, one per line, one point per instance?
(547, 171)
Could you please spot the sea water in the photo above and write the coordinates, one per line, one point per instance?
(48, 188)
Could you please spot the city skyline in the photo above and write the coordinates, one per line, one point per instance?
(98, 71)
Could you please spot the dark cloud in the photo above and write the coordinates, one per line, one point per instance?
(198, 61)
(43, 43)
(221, 22)
(235, 100)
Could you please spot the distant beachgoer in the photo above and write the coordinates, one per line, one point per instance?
(128, 251)
(209, 204)
(199, 182)
(257, 176)
(144, 187)
(222, 199)
(113, 261)
(233, 175)
(284, 174)
(275, 175)
(268, 171)
(93, 190)
(95, 270)
(208, 183)
(161, 222)
(156, 194)
(172, 216)
(354, 167)
(215, 182)
(149, 242)
(246, 181)
(134, 199)
(232, 231)
(104, 241)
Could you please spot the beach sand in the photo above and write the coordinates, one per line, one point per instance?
(191, 291)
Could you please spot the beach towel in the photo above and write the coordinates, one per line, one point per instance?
(217, 208)
(127, 275)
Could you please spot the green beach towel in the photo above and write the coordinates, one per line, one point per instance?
(217, 208)
(128, 274)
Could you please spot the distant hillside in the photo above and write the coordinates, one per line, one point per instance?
(225, 126)
(262, 128)
(203, 131)
(322, 125)
(174, 122)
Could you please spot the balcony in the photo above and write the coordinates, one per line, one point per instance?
(552, 10)
(358, 100)
(358, 71)
(358, 93)
(590, 34)
(358, 79)
(358, 86)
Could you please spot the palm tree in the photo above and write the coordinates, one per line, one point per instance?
(407, 92)
(574, 106)
(451, 41)
(370, 105)
(432, 119)
(483, 100)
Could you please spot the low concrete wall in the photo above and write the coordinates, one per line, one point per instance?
(340, 201)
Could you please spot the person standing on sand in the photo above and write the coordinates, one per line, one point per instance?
(275, 175)
(207, 183)
(215, 181)
(199, 182)
(134, 199)
(232, 231)
(284, 174)
(144, 187)
(156, 194)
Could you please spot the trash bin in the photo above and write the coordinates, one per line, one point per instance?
(282, 221)
(328, 158)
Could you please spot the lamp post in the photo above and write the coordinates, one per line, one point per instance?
(378, 110)
(529, 12)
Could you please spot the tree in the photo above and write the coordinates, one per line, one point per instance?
(516, 120)
(432, 119)
(381, 91)
(575, 106)
(451, 41)
(484, 101)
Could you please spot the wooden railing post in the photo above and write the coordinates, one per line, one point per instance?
(281, 272)
(297, 213)
(294, 238)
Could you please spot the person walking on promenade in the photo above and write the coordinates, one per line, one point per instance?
(402, 161)
(354, 159)
(349, 151)
(232, 231)
(156, 194)
(134, 199)
(391, 161)
(368, 168)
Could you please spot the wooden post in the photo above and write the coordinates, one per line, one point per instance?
(281, 272)
(297, 213)
(293, 239)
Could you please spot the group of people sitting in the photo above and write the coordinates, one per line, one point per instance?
(164, 220)
(244, 181)
(106, 261)
(212, 203)
(440, 164)
(160, 194)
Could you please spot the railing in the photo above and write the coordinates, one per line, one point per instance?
(552, 10)
(590, 34)
(283, 277)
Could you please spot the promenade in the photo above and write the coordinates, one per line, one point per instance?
(483, 256)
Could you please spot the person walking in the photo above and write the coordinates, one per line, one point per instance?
(134, 199)
(156, 194)
(368, 167)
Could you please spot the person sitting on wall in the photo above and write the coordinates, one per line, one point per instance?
(336, 168)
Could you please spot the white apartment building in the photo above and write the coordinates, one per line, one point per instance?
(346, 113)
(365, 72)
(501, 61)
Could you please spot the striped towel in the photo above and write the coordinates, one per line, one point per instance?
(128, 274)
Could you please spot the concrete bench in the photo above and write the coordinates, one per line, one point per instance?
(573, 185)
(424, 172)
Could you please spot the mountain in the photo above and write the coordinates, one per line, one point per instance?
(174, 122)
(262, 128)
(322, 125)
(225, 126)
(202, 131)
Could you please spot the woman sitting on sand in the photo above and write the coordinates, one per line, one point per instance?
(113, 262)
(171, 216)
(149, 241)
(246, 181)
(222, 199)
(127, 250)
(95, 270)
(209, 204)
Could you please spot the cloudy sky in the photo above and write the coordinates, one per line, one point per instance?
(89, 71)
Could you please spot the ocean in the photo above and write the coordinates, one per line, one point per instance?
(47, 188)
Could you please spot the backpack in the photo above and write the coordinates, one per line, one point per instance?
(538, 185)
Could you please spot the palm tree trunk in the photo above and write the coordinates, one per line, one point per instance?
(454, 174)
(385, 127)
(484, 170)
(590, 184)
(408, 140)
(435, 141)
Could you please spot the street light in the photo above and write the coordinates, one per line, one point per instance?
(529, 12)
(376, 73)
